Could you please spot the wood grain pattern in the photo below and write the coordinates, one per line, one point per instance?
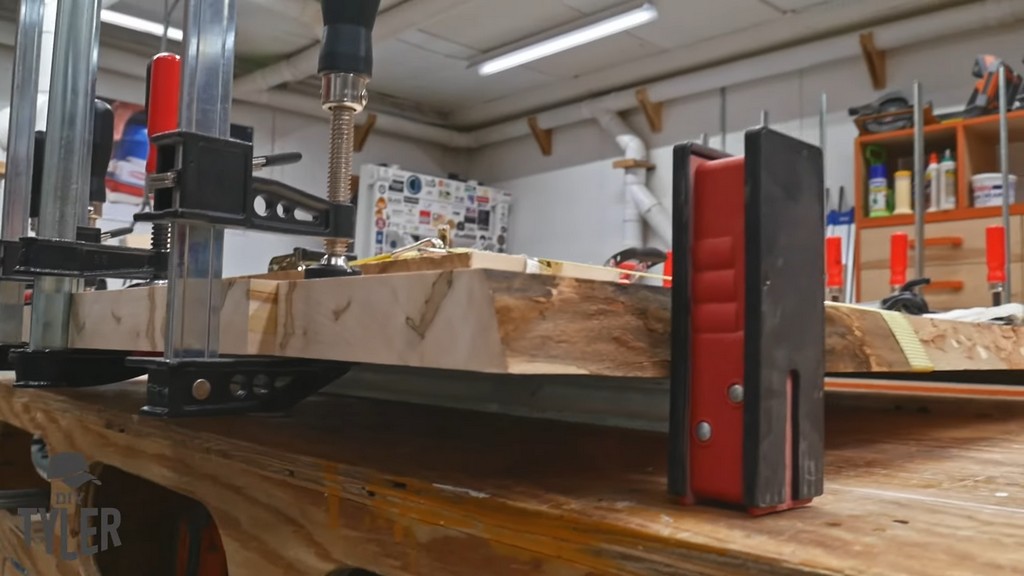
(501, 322)
(404, 490)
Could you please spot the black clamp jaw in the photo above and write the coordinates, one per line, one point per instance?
(221, 386)
(209, 180)
(85, 256)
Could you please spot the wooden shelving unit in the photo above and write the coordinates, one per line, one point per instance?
(975, 145)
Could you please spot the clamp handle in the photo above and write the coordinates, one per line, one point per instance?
(995, 253)
(102, 148)
(899, 245)
(163, 92)
(347, 45)
(834, 262)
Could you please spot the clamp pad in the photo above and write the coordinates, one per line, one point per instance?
(747, 377)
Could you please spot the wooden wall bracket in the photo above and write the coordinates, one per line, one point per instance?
(363, 132)
(626, 163)
(541, 135)
(652, 110)
(874, 59)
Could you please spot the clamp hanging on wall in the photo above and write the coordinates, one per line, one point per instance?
(747, 375)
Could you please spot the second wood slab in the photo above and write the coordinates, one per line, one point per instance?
(502, 322)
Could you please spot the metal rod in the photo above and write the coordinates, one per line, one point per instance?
(197, 251)
(65, 186)
(823, 143)
(21, 135)
(20, 156)
(1004, 167)
(764, 118)
(721, 115)
(704, 139)
(919, 203)
(169, 9)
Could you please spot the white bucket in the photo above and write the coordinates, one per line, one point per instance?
(988, 189)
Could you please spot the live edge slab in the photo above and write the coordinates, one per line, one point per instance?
(510, 322)
(406, 490)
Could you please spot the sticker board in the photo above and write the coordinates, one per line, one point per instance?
(407, 207)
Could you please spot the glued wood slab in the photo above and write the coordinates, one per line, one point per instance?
(407, 490)
(504, 322)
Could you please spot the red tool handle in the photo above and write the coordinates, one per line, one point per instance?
(995, 254)
(834, 262)
(667, 282)
(163, 100)
(899, 245)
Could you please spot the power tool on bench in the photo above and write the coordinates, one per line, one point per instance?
(985, 96)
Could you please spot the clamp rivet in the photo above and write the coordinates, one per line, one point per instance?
(736, 393)
(703, 431)
(201, 389)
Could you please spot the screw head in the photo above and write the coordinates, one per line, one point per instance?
(703, 431)
(736, 393)
(201, 389)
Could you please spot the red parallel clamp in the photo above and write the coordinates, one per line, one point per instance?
(995, 254)
(747, 370)
(163, 93)
(899, 247)
(834, 265)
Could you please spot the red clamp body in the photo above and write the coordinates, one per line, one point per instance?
(162, 99)
(834, 267)
(995, 254)
(899, 246)
(747, 374)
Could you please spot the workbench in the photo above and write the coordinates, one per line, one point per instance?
(913, 486)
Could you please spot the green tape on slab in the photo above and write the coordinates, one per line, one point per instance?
(909, 343)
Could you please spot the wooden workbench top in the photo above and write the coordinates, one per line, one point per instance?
(414, 490)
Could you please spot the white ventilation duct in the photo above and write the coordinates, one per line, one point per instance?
(640, 202)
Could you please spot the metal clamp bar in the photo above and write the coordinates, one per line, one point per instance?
(197, 250)
(20, 156)
(919, 200)
(1004, 167)
(65, 187)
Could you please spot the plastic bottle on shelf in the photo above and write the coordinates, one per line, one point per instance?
(931, 183)
(878, 191)
(947, 182)
(902, 186)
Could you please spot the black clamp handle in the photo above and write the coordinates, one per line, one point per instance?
(347, 44)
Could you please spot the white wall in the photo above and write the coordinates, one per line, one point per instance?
(274, 131)
(569, 205)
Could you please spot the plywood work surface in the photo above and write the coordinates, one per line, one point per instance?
(408, 490)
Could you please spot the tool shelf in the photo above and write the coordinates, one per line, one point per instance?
(956, 268)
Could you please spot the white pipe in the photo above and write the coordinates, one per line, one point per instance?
(389, 25)
(640, 201)
(973, 16)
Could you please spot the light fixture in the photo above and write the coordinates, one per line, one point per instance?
(140, 25)
(560, 39)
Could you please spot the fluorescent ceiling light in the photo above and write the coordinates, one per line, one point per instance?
(595, 28)
(140, 25)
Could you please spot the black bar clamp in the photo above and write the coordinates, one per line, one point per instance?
(209, 180)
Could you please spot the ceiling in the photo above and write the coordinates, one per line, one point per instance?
(421, 69)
